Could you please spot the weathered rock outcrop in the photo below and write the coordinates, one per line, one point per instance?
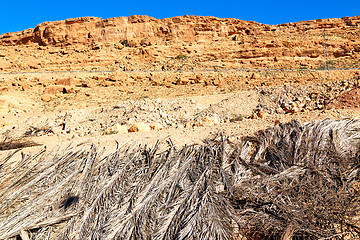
(145, 30)
(186, 42)
(133, 30)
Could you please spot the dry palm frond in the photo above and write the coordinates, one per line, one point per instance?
(304, 176)
(292, 180)
(8, 144)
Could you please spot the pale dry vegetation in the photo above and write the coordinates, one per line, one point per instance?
(290, 181)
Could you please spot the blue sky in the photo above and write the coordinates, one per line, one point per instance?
(19, 15)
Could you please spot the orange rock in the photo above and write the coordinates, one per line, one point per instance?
(65, 81)
(182, 81)
(199, 78)
(68, 90)
(54, 89)
(133, 128)
(261, 114)
(47, 97)
(24, 86)
(139, 127)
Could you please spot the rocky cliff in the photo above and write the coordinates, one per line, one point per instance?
(135, 30)
(146, 30)
(146, 43)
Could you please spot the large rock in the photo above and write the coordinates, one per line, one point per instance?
(117, 128)
(207, 121)
(54, 89)
(65, 81)
(139, 127)
(47, 97)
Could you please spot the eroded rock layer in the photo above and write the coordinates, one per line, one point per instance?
(146, 43)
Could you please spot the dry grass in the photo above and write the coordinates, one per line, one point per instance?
(291, 181)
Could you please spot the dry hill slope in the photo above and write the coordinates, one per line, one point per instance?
(142, 42)
(208, 45)
(178, 43)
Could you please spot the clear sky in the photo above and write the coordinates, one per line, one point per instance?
(23, 14)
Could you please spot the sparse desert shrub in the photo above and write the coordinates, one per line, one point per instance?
(237, 119)
(125, 43)
(181, 56)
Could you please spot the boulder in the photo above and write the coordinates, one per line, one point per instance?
(47, 97)
(24, 86)
(117, 128)
(261, 114)
(54, 89)
(57, 89)
(65, 81)
(139, 127)
(207, 121)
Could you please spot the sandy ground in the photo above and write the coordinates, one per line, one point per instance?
(184, 120)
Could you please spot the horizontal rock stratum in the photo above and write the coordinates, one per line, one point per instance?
(147, 30)
(180, 43)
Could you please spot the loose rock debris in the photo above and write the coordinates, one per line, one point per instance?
(291, 181)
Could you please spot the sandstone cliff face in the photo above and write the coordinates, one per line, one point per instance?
(147, 30)
(146, 43)
(134, 29)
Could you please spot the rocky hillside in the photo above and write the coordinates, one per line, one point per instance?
(146, 43)
(136, 30)
(144, 30)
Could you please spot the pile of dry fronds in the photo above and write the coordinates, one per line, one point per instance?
(289, 181)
